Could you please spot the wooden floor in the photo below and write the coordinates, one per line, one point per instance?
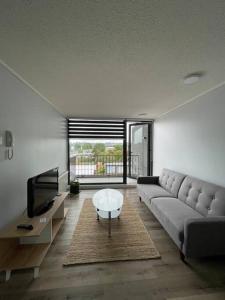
(164, 278)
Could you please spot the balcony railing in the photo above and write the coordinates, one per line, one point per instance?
(102, 165)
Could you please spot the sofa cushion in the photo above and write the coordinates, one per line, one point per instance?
(206, 198)
(172, 214)
(149, 191)
(171, 181)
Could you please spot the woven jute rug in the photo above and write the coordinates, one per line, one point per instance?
(129, 241)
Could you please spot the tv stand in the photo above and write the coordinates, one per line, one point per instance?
(23, 249)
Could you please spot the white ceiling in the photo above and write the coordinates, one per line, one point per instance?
(114, 58)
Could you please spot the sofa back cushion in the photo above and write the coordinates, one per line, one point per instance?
(171, 181)
(206, 198)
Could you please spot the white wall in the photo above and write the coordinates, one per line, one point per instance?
(191, 139)
(40, 142)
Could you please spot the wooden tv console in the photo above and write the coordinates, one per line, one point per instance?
(23, 249)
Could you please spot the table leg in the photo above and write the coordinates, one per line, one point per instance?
(97, 215)
(109, 223)
(36, 272)
(7, 275)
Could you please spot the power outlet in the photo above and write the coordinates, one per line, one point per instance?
(43, 220)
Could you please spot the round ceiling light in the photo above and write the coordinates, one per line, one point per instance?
(192, 78)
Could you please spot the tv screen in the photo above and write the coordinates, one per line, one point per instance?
(41, 191)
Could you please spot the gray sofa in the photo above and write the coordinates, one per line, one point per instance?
(192, 211)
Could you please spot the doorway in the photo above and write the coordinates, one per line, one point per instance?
(140, 149)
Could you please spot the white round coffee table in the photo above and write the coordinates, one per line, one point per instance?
(108, 204)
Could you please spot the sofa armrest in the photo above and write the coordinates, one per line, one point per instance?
(204, 237)
(148, 180)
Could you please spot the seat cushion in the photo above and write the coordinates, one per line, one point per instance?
(171, 181)
(149, 191)
(172, 213)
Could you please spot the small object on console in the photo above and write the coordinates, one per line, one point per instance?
(25, 226)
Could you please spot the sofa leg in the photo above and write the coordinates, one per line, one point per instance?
(182, 256)
(140, 199)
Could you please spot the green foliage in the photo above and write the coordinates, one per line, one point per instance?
(76, 147)
(100, 168)
(118, 147)
(87, 146)
(101, 171)
(99, 149)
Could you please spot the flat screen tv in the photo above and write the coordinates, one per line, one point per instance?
(41, 191)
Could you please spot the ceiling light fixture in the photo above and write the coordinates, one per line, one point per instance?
(143, 114)
(192, 78)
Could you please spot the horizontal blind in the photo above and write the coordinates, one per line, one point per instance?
(96, 129)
